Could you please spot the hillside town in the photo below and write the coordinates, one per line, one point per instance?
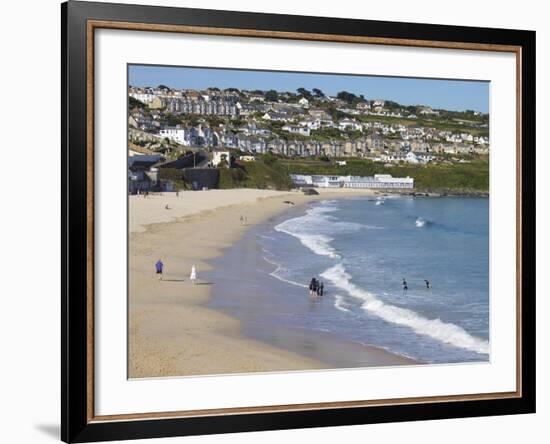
(218, 126)
(303, 124)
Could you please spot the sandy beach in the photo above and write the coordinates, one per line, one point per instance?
(171, 331)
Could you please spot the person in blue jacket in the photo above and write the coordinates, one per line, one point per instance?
(159, 266)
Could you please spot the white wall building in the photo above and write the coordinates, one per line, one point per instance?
(421, 158)
(146, 98)
(345, 124)
(297, 129)
(178, 135)
(378, 181)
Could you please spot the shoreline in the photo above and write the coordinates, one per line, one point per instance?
(172, 331)
(427, 192)
(244, 268)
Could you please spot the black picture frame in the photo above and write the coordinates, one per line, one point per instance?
(76, 423)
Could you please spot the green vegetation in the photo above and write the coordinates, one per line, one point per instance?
(135, 103)
(264, 173)
(350, 98)
(325, 134)
(175, 176)
(440, 124)
(271, 95)
(214, 121)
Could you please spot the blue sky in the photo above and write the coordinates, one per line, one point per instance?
(454, 95)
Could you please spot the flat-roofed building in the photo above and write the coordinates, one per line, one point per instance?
(378, 181)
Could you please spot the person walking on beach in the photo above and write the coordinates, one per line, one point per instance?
(159, 266)
(427, 283)
(320, 289)
(193, 275)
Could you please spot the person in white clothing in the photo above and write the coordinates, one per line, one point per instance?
(193, 275)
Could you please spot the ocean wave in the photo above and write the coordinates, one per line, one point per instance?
(276, 275)
(421, 222)
(435, 328)
(340, 304)
(314, 228)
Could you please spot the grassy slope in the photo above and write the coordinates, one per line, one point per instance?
(274, 173)
(443, 125)
(256, 175)
(472, 176)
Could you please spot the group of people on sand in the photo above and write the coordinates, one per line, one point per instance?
(406, 286)
(316, 287)
(159, 268)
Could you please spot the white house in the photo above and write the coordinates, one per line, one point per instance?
(393, 157)
(303, 102)
(276, 117)
(297, 129)
(256, 97)
(180, 135)
(310, 123)
(416, 157)
(428, 111)
(454, 138)
(481, 140)
(345, 124)
(143, 97)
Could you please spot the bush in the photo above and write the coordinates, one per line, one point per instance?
(175, 176)
(258, 174)
(269, 159)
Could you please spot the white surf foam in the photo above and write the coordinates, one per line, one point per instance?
(319, 244)
(340, 304)
(276, 272)
(435, 328)
(314, 228)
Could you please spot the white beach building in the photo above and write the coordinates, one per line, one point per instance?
(378, 181)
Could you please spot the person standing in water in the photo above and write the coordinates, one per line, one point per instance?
(313, 287)
(193, 276)
(405, 286)
(427, 283)
(159, 266)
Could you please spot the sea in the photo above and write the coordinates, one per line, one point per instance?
(363, 249)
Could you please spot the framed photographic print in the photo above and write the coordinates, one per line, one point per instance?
(275, 221)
